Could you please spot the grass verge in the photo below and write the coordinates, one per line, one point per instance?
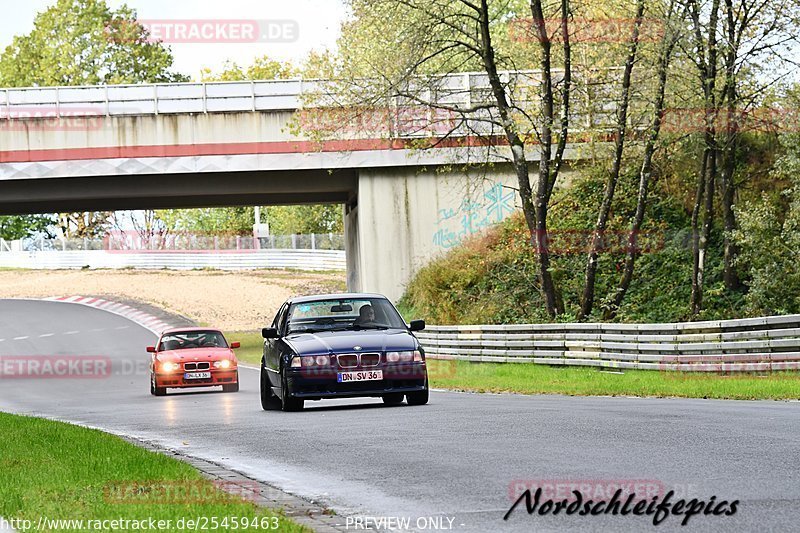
(582, 381)
(252, 346)
(62, 472)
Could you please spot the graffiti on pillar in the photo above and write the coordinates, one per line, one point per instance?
(456, 223)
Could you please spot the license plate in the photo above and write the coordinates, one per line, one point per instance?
(364, 375)
(197, 375)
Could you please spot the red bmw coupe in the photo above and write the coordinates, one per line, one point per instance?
(193, 357)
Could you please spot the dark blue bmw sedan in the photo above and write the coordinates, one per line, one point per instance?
(341, 346)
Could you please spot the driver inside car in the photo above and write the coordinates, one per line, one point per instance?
(366, 315)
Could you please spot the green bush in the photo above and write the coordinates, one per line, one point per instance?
(769, 240)
(491, 278)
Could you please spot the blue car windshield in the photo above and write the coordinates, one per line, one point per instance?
(343, 314)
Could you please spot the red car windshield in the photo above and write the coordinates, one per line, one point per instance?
(182, 340)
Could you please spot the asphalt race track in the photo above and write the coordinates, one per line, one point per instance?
(460, 457)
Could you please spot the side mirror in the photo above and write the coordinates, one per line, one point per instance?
(235, 345)
(417, 325)
(269, 333)
(151, 349)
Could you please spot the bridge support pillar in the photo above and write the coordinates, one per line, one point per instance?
(351, 246)
(406, 216)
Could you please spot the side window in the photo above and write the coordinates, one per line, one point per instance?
(279, 318)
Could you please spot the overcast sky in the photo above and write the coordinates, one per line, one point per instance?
(317, 23)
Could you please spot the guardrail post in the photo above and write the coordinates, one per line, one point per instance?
(394, 131)
(294, 241)
(300, 95)
(313, 241)
(468, 87)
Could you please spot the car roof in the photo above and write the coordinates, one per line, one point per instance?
(335, 296)
(187, 330)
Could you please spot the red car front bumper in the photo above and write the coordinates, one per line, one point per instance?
(176, 380)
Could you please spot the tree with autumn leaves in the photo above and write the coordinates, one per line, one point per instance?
(713, 59)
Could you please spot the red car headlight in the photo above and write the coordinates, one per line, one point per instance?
(169, 367)
(223, 364)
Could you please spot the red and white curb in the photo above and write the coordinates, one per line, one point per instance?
(146, 320)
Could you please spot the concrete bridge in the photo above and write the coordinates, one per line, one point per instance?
(237, 143)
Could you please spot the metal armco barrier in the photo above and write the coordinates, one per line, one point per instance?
(743, 345)
(183, 260)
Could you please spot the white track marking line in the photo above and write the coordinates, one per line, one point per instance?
(71, 332)
(46, 335)
(122, 327)
(21, 338)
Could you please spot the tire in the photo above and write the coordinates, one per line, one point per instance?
(269, 402)
(290, 404)
(156, 391)
(418, 398)
(393, 399)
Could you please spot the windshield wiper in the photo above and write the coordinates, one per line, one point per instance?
(306, 330)
(368, 326)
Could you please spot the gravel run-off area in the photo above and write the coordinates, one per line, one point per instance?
(232, 301)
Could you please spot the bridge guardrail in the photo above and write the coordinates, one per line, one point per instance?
(459, 89)
(750, 344)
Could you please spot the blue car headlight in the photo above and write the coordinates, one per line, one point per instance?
(406, 356)
(306, 361)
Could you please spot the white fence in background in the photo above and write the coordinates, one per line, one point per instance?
(743, 345)
(179, 260)
(130, 241)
